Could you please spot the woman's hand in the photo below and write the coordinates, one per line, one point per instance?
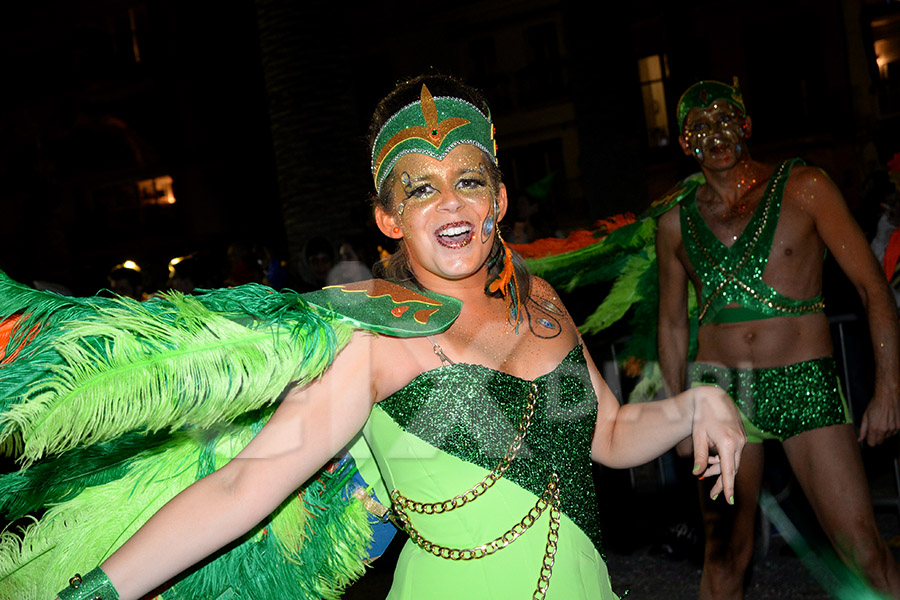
(718, 438)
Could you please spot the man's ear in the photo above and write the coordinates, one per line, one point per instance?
(747, 127)
(388, 223)
(685, 147)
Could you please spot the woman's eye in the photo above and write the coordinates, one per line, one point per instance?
(420, 192)
(471, 184)
(699, 127)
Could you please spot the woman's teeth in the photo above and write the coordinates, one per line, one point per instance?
(454, 235)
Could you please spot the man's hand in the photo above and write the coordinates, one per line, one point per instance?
(881, 419)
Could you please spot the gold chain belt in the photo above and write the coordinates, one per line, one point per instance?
(548, 499)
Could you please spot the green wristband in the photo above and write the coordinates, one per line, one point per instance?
(93, 586)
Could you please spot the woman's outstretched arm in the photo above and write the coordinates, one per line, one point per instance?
(312, 425)
(634, 434)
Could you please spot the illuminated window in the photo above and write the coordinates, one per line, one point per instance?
(156, 191)
(654, 70)
(886, 38)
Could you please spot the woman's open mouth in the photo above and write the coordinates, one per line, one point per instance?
(454, 235)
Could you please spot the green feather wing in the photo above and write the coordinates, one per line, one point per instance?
(83, 371)
(312, 546)
(37, 562)
(57, 479)
(627, 257)
(115, 400)
(162, 365)
(602, 261)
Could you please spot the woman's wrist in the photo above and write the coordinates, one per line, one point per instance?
(95, 585)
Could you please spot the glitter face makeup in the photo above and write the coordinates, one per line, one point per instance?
(421, 189)
(715, 134)
(447, 203)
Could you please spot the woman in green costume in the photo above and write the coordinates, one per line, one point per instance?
(484, 432)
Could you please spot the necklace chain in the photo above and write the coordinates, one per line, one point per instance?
(549, 499)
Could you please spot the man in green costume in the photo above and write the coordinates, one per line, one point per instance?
(751, 240)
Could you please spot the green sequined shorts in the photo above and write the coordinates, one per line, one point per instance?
(780, 402)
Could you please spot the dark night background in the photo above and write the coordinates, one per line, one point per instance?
(258, 111)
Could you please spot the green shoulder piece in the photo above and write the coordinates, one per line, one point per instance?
(384, 307)
(675, 195)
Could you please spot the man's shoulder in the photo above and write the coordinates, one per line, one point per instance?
(805, 174)
(668, 225)
(670, 217)
(683, 190)
(811, 186)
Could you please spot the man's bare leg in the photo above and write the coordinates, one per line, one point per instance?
(729, 531)
(828, 465)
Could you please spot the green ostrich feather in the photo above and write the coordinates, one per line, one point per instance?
(258, 568)
(120, 405)
(41, 309)
(312, 546)
(61, 478)
(314, 543)
(624, 292)
(40, 316)
(602, 261)
(36, 562)
(88, 370)
(162, 365)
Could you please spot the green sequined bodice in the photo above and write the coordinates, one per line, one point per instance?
(733, 274)
(472, 412)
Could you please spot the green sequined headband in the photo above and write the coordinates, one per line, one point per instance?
(702, 95)
(431, 126)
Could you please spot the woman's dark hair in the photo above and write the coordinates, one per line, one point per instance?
(396, 267)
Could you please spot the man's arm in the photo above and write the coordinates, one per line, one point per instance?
(848, 244)
(673, 330)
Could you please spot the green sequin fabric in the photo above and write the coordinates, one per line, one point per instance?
(734, 273)
(473, 412)
(95, 585)
(781, 401)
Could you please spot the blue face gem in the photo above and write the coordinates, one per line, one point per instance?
(549, 307)
(487, 228)
(546, 324)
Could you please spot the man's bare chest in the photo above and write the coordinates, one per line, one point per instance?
(729, 221)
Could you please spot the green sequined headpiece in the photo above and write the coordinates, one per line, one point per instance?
(702, 95)
(431, 126)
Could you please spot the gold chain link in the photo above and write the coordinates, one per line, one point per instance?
(552, 539)
(429, 508)
(548, 499)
